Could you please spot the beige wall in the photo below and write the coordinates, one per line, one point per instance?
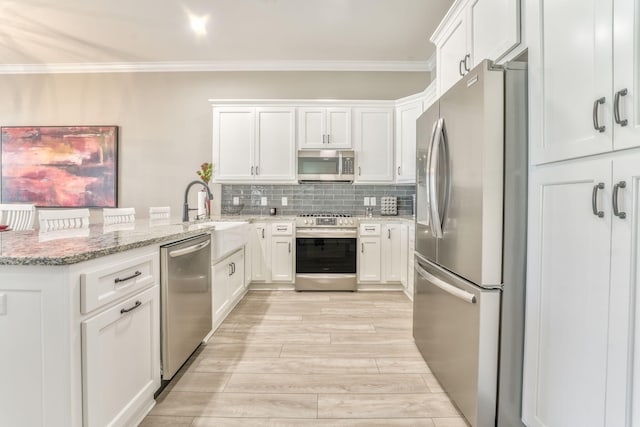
(165, 118)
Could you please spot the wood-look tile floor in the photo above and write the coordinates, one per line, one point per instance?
(308, 359)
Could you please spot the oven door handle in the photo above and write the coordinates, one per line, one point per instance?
(334, 233)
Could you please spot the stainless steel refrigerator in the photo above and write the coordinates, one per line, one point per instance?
(471, 242)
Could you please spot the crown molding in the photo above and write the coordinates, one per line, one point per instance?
(150, 67)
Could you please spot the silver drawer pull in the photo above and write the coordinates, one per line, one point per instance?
(596, 124)
(126, 310)
(594, 199)
(451, 290)
(616, 209)
(370, 228)
(124, 279)
(282, 228)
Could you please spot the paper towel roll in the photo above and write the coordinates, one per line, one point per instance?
(202, 204)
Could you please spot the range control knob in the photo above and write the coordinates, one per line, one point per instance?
(339, 222)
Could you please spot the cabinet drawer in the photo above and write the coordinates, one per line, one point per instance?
(113, 281)
(281, 229)
(369, 229)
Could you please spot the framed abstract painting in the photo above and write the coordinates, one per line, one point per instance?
(60, 166)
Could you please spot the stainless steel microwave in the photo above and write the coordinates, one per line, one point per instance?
(325, 165)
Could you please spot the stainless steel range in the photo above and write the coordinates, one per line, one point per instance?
(326, 252)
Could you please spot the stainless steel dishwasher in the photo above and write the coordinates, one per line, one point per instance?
(185, 298)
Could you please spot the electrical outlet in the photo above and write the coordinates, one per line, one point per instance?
(372, 201)
(366, 201)
(263, 201)
(284, 201)
(236, 201)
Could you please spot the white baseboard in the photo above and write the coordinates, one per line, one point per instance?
(271, 287)
(369, 287)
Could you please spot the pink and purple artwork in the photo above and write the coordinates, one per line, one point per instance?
(60, 166)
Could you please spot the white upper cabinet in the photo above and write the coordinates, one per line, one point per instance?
(233, 143)
(472, 31)
(495, 28)
(276, 143)
(626, 74)
(324, 128)
(373, 134)
(584, 78)
(406, 116)
(254, 144)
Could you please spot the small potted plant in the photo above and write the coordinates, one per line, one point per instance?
(205, 172)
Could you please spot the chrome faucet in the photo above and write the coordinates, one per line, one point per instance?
(185, 209)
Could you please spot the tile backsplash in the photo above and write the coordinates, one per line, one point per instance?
(304, 198)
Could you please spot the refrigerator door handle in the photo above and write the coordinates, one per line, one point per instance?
(434, 205)
(451, 290)
(427, 168)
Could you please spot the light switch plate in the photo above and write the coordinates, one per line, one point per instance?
(263, 201)
(366, 201)
(373, 201)
(236, 201)
(284, 201)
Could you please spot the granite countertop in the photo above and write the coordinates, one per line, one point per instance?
(66, 247)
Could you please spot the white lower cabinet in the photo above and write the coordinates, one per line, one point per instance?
(369, 266)
(227, 287)
(260, 251)
(582, 295)
(282, 252)
(120, 355)
(393, 255)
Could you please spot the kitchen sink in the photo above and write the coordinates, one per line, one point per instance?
(227, 237)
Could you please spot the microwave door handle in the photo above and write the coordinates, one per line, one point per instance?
(434, 208)
(340, 163)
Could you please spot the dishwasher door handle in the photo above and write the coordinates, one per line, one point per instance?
(189, 250)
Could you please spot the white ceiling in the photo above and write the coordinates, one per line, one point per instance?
(68, 35)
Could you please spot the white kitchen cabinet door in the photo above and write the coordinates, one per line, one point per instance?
(282, 259)
(324, 128)
(233, 143)
(275, 144)
(568, 309)
(392, 253)
(575, 72)
(260, 253)
(495, 28)
(121, 359)
(235, 284)
(374, 144)
(406, 116)
(220, 274)
(338, 128)
(624, 328)
(626, 69)
(369, 260)
(452, 49)
(311, 128)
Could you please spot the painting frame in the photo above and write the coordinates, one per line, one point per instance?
(72, 166)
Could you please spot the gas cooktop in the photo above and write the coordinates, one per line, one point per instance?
(325, 219)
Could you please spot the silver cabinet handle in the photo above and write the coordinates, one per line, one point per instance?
(126, 310)
(594, 199)
(450, 289)
(616, 210)
(124, 279)
(251, 170)
(329, 139)
(233, 268)
(189, 250)
(398, 170)
(362, 247)
(230, 269)
(370, 228)
(616, 108)
(388, 233)
(359, 171)
(467, 57)
(460, 67)
(281, 228)
(289, 247)
(263, 233)
(596, 124)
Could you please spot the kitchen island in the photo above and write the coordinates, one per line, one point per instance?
(79, 323)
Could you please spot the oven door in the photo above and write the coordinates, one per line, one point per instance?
(326, 259)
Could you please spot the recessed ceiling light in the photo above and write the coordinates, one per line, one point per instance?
(199, 24)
